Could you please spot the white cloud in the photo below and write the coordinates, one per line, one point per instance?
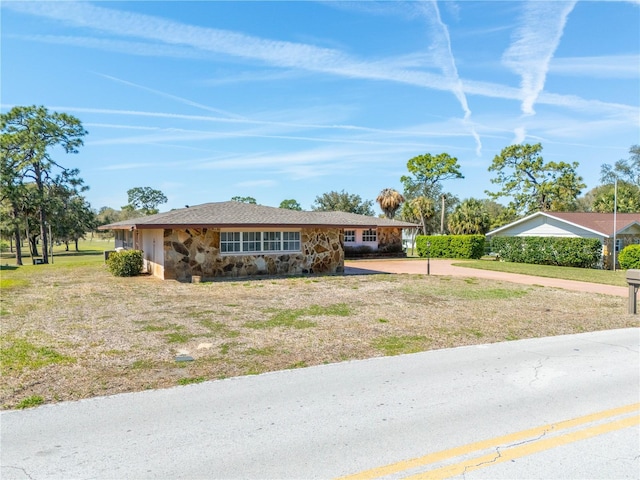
(534, 44)
(530, 54)
(520, 135)
(613, 66)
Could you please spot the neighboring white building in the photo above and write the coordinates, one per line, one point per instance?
(578, 224)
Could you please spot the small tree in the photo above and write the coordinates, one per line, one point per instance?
(422, 209)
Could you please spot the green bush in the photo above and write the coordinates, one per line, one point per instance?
(564, 252)
(450, 246)
(126, 263)
(357, 250)
(629, 257)
(4, 246)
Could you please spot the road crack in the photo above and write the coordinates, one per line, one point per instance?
(21, 469)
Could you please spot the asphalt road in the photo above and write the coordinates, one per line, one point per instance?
(561, 407)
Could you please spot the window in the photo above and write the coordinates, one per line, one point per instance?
(369, 236)
(272, 241)
(251, 242)
(618, 244)
(124, 239)
(291, 241)
(349, 236)
(229, 242)
(254, 242)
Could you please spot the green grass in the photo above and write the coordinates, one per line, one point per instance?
(8, 283)
(91, 252)
(460, 288)
(606, 277)
(291, 317)
(398, 345)
(17, 354)
(30, 402)
(143, 364)
(190, 380)
(178, 337)
(219, 328)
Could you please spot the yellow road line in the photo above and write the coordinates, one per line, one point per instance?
(524, 450)
(490, 443)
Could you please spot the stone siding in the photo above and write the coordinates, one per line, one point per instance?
(196, 252)
(389, 239)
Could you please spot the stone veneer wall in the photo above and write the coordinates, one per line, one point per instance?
(389, 238)
(196, 251)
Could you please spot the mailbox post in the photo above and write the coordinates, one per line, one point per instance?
(633, 279)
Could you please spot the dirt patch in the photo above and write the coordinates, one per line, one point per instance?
(78, 332)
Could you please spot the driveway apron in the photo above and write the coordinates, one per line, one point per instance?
(446, 268)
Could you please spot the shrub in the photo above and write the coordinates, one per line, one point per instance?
(357, 250)
(563, 252)
(392, 248)
(629, 257)
(126, 263)
(451, 246)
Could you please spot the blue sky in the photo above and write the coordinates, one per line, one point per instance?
(275, 100)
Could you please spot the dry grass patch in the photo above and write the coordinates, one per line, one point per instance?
(83, 332)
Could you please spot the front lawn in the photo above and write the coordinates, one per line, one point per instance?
(591, 275)
(72, 330)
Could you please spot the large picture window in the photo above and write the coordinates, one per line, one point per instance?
(254, 242)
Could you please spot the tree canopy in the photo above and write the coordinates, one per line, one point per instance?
(390, 201)
(471, 217)
(29, 137)
(623, 170)
(145, 199)
(250, 200)
(343, 202)
(533, 184)
(427, 172)
(290, 204)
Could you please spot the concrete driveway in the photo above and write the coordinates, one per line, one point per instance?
(445, 267)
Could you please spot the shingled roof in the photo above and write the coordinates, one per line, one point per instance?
(600, 223)
(244, 215)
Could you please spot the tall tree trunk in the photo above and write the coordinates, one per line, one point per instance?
(43, 215)
(77, 249)
(33, 246)
(16, 233)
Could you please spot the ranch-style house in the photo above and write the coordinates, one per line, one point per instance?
(235, 239)
(579, 224)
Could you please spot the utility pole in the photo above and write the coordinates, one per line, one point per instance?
(444, 197)
(615, 214)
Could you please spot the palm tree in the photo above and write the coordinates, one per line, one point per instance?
(422, 208)
(390, 201)
(469, 218)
